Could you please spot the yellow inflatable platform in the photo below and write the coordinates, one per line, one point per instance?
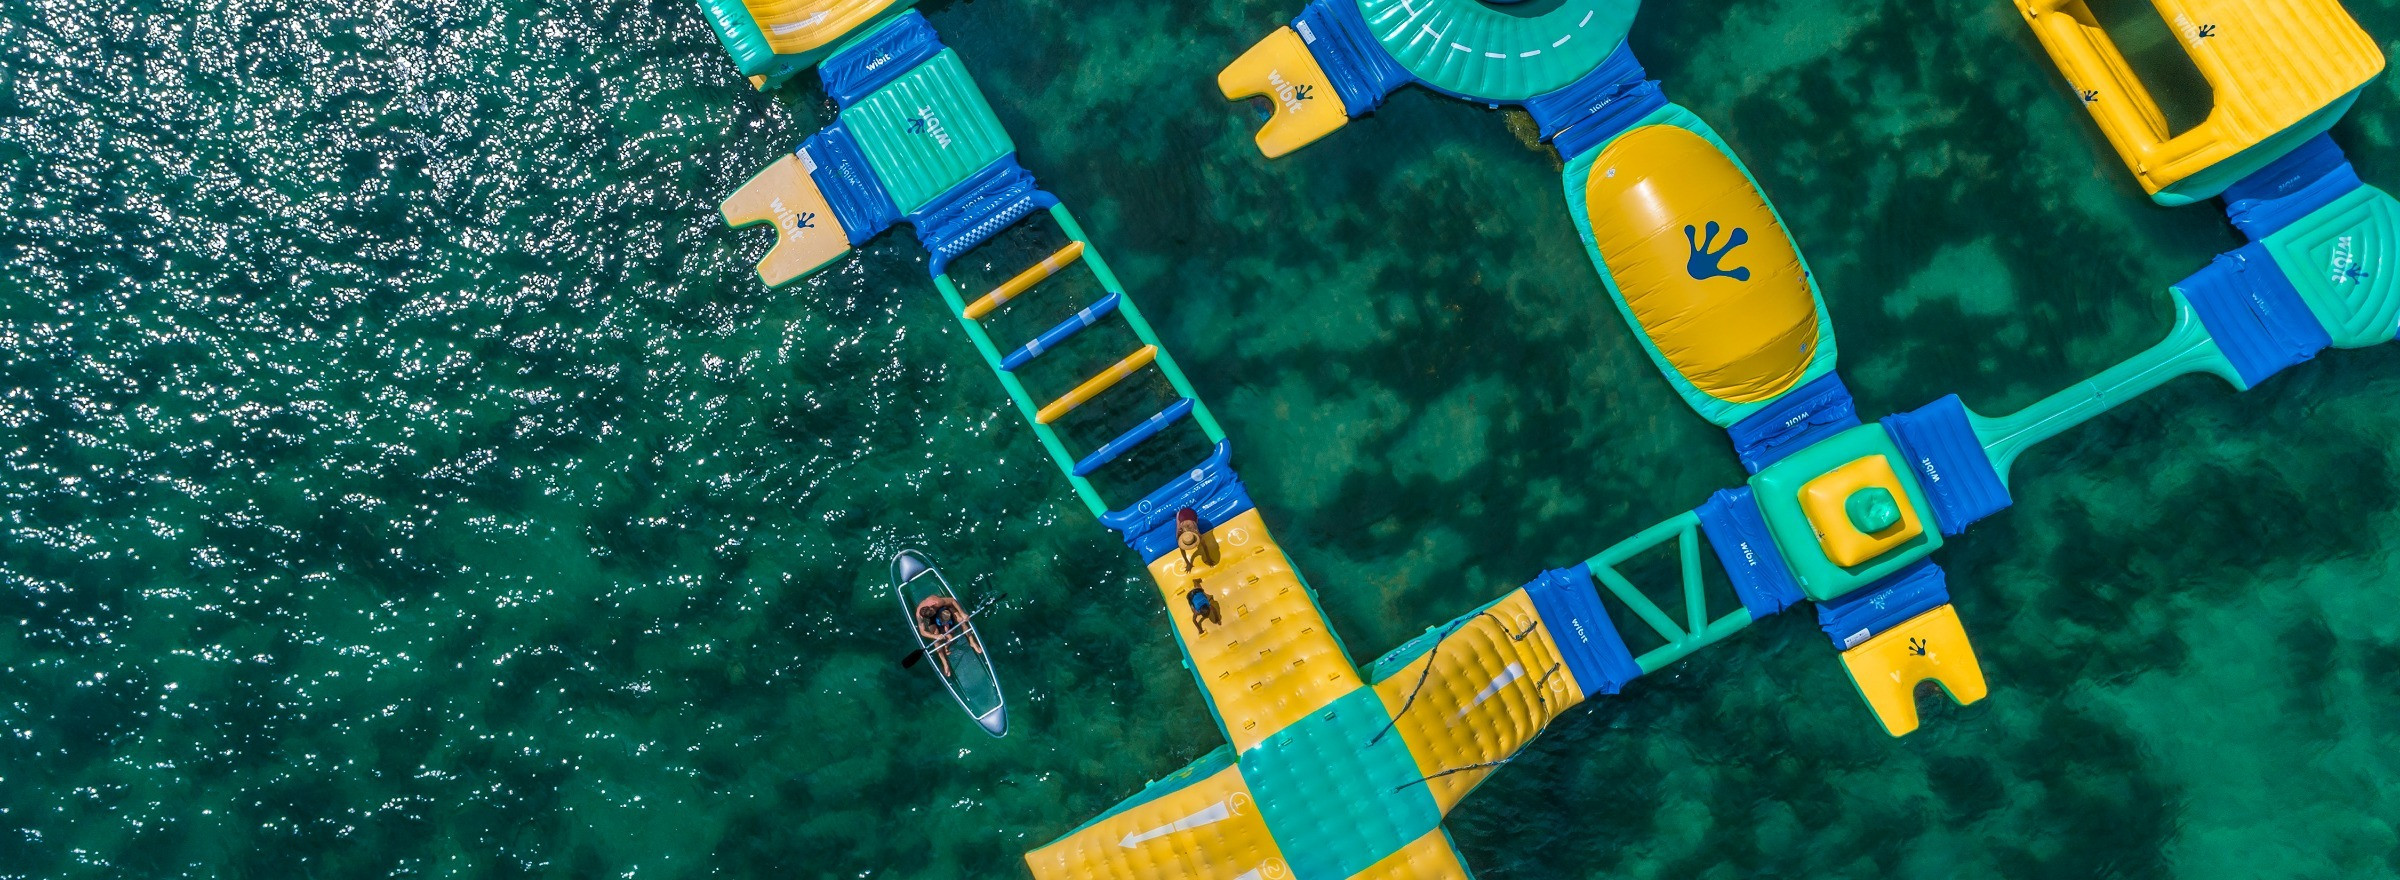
(1495, 684)
(806, 236)
(1280, 69)
(2282, 71)
(1271, 658)
(1930, 647)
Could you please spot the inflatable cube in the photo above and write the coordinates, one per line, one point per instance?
(1860, 511)
(1827, 562)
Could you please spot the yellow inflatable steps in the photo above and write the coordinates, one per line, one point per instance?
(1024, 281)
(1930, 647)
(1703, 265)
(1099, 382)
(795, 27)
(806, 234)
(1272, 659)
(2273, 64)
(1210, 828)
(1281, 69)
(1495, 684)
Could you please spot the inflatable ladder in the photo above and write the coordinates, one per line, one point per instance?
(971, 315)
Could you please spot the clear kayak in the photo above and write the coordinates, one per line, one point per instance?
(970, 680)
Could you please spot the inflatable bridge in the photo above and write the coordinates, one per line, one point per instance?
(1340, 771)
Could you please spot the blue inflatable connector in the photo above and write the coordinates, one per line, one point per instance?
(1595, 653)
(1805, 415)
(1737, 533)
(860, 204)
(878, 58)
(1210, 488)
(1948, 460)
(2292, 187)
(1595, 108)
(2254, 313)
(1057, 335)
(1865, 614)
(976, 209)
(1134, 436)
(1362, 73)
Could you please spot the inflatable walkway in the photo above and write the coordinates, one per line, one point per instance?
(1294, 793)
(1341, 771)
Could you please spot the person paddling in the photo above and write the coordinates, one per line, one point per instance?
(939, 619)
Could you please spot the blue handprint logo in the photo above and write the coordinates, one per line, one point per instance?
(1707, 259)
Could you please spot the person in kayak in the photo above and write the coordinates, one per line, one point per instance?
(1188, 539)
(1204, 608)
(939, 619)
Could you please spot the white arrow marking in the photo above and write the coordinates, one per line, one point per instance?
(1216, 812)
(1512, 673)
(810, 21)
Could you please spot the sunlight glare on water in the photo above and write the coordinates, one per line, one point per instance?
(403, 474)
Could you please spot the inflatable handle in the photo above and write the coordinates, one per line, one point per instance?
(1872, 510)
(1281, 69)
(807, 235)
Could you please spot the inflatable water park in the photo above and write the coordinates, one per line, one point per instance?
(1335, 769)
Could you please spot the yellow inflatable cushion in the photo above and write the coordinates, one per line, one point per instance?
(2270, 63)
(1281, 69)
(1930, 646)
(1703, 265)
(1272, 658)
(1825, 501)
(1427, 858)
(795, 27)
(1496, 683)
(1210, 829)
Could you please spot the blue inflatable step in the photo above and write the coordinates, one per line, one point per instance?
(1052, 338)
(1127, 441)
(1853, 619)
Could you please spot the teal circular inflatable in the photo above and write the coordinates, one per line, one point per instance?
(1499, 53)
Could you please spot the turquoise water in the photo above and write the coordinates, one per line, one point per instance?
(402, 474)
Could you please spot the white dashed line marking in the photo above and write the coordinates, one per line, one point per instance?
(1413, 14)
(1425, 33)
